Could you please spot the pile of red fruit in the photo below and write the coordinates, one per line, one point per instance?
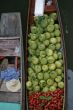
(46, 101)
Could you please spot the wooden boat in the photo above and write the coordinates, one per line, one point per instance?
(11, 38)
(47, 9)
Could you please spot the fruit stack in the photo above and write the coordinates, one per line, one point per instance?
(45, 62)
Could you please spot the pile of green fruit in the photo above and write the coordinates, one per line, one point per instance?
(45, 60)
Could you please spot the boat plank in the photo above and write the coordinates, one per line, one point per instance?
(10, 97)
(10, 25)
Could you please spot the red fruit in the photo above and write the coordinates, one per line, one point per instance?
(56, 103)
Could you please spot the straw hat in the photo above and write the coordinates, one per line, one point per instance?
(13, 85)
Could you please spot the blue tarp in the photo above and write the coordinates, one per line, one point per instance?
(9, 106)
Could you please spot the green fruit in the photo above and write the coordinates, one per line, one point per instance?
(58, 64)
(37, 52)
(29, 78)
(55, 55)
(37, 88)
(42, 83)
(45, 68)
(42, 37)
(33, 75)
(29, 35)
(28, 84)
(52, 34)
(36, 19)
(58, 39)
(57, 32)
(56, 26)
(33, 36)
(35, 60)
(58, 46)
(62, 68)
(47, 35)
(39, 30)
(30, 71)
(50, 59)
(29, 59)
(48, 20)
(30, 41)
(44, 23)
(49, 52)
(31, 51)
(38, 42)
(46, 75)
(52, 88)
(30, 88)
(53, 40)
(58, 78)
(52, 67)
(35, 82)
(33, 45)
(50, 82)
(46, 16)
(60, 55)
(37, 68)
(51, 21)
(61, 60)
(41, 47)
(59, 71)
(40, 58)
(45, 89)
(48, 71)
(43, 61)
(33, 29)
(61, 85)
(53, 74)
(46, 42)
(32, 66)
(42, 54)
(40, 76)
(55, 84)
(50, 28)
(56, 51)
(62, 75)
(52, 46)
(53, 16)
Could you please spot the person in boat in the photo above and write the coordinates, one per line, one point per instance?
(11, 75)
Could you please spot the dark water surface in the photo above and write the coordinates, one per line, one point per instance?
(66, 10)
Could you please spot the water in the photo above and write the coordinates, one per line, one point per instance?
(66, 10)
(70, 89)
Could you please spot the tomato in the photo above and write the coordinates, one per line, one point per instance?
(55, 103)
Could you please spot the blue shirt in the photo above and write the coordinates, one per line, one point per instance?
(10, 73)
